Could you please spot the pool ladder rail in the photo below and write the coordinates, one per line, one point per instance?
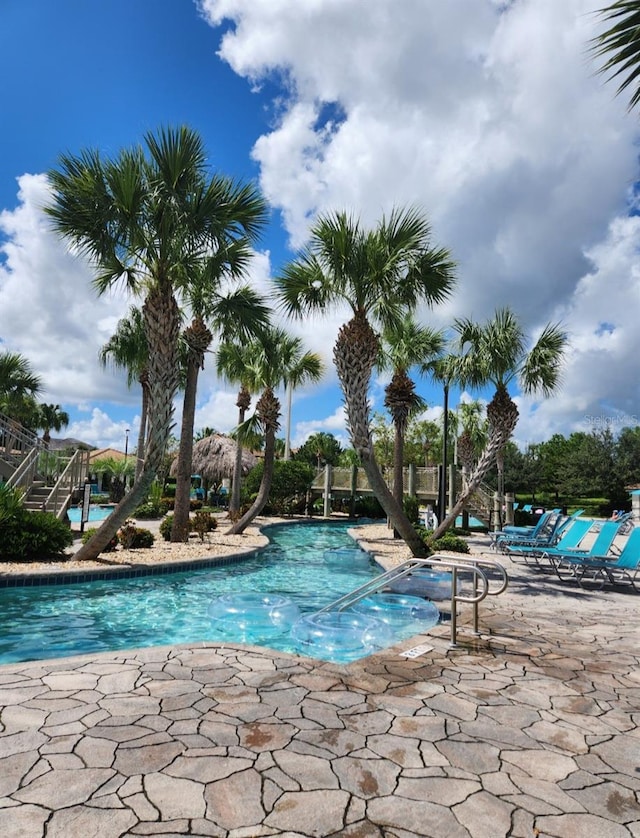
(477, 569)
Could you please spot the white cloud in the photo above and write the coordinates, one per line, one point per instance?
(489, 115)
(49, 311)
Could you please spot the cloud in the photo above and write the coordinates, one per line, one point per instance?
(50, 313)
(492, 117)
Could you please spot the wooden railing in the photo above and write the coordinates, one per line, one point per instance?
(421, 482)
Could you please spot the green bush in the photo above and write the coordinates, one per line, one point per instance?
(203, 522)
(150, 510)
(168, 501)
(134, 538)
(111, 546)
(291, 481)
(165, 527)
(411, 508)
(33, 536)
(451, 542)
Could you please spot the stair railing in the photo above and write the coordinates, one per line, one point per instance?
(24, 475)
(71, 478)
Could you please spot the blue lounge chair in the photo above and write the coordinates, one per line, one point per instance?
(568, 540)
(551, 532)
(520, 532)
(592, 571)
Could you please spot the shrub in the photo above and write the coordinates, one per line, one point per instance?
(203, 522)
(168, 501)
(151, 509)
(291, 481)
(133, 538)
(411, 508)
(195, 504)
(111, 546)
(165, 527)
(452, 542)
(33, 536)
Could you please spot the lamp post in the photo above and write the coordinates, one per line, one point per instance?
(442, 488)
(126, 444)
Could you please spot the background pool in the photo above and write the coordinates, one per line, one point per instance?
(59, 620)
(96, 513)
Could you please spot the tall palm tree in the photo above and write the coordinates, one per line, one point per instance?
(51, 416)
(380, 274)
(17, 381)
(147, 219)
(240, 312)
(277, 360)
(496, 353)
(472, 435)
(233, 363)
(620, 45)
(403, 347)
(128, 349)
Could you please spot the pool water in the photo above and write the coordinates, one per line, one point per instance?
(96, 513)
(60, 620)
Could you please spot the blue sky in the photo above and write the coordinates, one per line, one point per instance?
(490, 119)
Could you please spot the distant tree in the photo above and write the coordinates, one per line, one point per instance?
(320, 449)
(51, 416)
(423, 442)
(278, 360)
(628, 456)
(405, 344)
(496, 353)
(128, 349)
(19, 386)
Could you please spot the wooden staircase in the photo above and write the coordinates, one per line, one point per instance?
(23, 458)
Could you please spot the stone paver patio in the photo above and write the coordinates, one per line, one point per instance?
(529, 731)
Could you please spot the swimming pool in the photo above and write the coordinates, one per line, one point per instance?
(60, 620)
(96, 513)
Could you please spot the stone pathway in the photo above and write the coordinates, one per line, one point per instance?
(530, 731)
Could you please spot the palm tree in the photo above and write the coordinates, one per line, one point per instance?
(496, 353)
(620, 45)
(51, 416)
(18, 382)
(472, 437)
(147, 219)
(403, 347)
(381, 275)
(240, 312)
(233, 362)
(277, 359)
(128, 349)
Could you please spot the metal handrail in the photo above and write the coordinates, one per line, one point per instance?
(456, 565)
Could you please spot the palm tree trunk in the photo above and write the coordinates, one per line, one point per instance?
(269, 408)
(243, 402)
(198, 338)
(162, 323)
(398, 462)
(355, 354)
(142, 433)
(495, 443)
(182, 507)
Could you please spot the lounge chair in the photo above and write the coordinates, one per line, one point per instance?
(551, 532)
(568, 540)
(592, 571)
(520, 532)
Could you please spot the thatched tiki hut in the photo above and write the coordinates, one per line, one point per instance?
(214, 458)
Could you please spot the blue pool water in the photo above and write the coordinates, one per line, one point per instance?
(96, 513)
(59, 620)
